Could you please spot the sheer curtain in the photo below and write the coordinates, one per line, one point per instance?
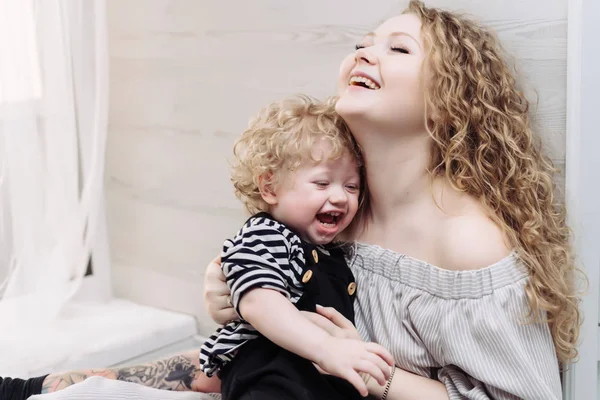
(53, 122)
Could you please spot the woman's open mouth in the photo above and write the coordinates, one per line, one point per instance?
(363, 81)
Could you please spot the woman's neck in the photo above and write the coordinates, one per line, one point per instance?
(397, 174)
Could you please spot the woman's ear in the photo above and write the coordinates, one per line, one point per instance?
(266, 188)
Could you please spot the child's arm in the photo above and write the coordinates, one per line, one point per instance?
(259, 264)
(274, 316)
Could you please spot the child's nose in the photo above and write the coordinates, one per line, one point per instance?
(338, 196)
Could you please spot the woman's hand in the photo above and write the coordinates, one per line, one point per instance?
(334, 323)
(217, 296)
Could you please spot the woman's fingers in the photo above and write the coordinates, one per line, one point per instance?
(214, 269)
(323, 323)
(217, 295)
(347, 328)
(220, 309)
(335, 316)
(227, 315)
(217, 289)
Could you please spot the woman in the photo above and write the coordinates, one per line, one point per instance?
(463, 264)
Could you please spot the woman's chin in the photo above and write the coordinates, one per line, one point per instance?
(351, 107)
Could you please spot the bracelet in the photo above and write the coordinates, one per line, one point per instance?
(388, 384)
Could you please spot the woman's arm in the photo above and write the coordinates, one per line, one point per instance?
(408, 386)
(403, 386)
(178, 372)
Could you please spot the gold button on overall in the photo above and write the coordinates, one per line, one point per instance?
(351, 288)
(315, 256)
(307, 276)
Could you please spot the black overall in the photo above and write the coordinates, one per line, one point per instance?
(262, 370)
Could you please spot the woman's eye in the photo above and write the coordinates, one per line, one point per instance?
(400, 50)
(359, 46)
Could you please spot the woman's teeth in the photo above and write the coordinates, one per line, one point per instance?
(363, 81)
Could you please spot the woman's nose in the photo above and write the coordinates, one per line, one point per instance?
(366, 55)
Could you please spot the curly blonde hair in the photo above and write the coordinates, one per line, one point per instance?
(484, 145)
(280, 138)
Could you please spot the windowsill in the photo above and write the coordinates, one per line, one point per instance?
(89, 335)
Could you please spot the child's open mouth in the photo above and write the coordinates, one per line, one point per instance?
(330, 219)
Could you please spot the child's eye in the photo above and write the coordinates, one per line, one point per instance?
(322, 184)
(352, 188)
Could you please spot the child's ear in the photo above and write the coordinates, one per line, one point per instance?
(266, 187)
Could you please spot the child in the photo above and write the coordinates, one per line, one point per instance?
(298, 172)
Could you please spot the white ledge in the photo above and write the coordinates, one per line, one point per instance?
(90, 335)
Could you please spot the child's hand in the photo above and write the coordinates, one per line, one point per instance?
(346, 358)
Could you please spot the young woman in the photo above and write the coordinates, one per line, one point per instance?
(462, 262)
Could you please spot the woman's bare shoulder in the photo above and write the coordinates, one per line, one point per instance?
(472, 240)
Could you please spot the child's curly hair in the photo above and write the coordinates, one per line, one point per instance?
(282, 136)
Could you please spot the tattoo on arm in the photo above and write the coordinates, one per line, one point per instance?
(55, 382)
(173, 373)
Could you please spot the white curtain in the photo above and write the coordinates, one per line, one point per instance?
(53, 122)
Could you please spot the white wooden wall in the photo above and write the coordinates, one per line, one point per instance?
(187, 74)
(582, 184)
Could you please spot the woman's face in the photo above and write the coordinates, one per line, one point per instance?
(381, 82)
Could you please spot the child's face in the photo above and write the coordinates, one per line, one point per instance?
(318, 200)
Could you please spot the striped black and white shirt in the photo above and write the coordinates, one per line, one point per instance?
(263, 254)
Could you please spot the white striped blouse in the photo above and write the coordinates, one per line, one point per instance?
(465, 328)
